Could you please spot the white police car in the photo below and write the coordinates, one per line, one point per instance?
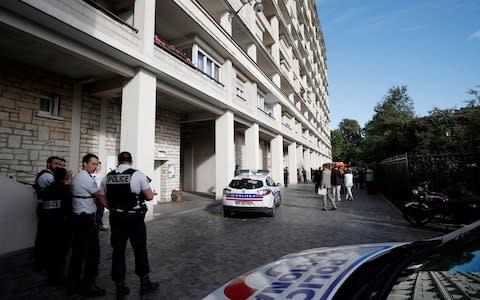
(252, 191)
(446, 267)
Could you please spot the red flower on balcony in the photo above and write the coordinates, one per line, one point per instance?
(173, 50)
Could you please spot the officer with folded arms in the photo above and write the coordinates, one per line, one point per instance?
(85, 243)
(124, 192)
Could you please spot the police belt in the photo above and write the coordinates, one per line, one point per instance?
(124, 211)
(83, 197)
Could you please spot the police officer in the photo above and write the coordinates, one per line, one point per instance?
(57, 201)
(124, 191)
(85, 243)
(44, 179)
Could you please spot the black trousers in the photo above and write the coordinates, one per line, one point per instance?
(123, 227)
(85, 250)
(57, 241)
(99, 214)
(40, 249)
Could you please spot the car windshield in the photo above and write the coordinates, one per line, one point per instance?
(405, 269)
(459, 255)
(246, 183)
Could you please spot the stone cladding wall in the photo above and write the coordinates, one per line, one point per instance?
(26, 138)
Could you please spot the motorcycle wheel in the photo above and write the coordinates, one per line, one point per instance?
(416, 213)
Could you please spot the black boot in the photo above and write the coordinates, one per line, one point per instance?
(92, 290)
(122, 290)
(147, 286)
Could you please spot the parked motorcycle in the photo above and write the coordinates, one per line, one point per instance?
(429, 206)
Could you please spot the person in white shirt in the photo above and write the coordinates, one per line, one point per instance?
(348, 181)
(85, 243)
(98, 176)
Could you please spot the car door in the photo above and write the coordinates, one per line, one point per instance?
(273, 187)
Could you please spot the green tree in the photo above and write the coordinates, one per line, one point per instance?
(387, 133)
(337, 144)
(351, 137)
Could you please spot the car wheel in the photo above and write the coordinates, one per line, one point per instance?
(226, 213)
(416, 213)
(271, 212)
(279, 201)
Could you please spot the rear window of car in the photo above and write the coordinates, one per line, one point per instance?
(246, 183)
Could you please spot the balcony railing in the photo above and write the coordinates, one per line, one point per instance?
(172, 50)
(110, 14)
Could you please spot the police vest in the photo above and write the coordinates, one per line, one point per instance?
(56, 198)
(37, 187)
(119, 194)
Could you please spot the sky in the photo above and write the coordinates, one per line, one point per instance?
(430, 46)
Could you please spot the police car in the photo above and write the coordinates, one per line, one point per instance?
(446, 267)
(252, 191)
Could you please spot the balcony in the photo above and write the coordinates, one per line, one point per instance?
(175, 52)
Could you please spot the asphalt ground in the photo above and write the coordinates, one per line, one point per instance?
(193, 249)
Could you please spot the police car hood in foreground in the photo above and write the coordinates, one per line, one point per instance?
(439, 268)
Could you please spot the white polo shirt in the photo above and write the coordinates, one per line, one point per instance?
(83, 187)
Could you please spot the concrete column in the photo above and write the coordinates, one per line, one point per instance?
(252, 147)
(103, 134)
(315, 161)
(277, 113)
(229, 79)
(292, 163)
(276, 45)
(276, 146)
(226, 22)
(300, 157)
(137, 134)
(224, 152)
(277, 80)
(144, 20)
(308, 163)
(74, 157)
(252, 51)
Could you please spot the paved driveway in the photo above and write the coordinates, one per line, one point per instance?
(194, 249)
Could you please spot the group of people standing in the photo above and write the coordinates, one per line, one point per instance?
(329, 183)
(67, 217)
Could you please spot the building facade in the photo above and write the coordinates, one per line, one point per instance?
(191, 88)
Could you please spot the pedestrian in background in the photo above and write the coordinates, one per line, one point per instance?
(348, 181)
(337, 182)
(327, 184)
(124, 191)
(370, 181)
(317, 178)
(85, 243)
(98, 176)
(285, 176)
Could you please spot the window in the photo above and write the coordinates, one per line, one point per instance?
(208, 66)
(49, 105)
(240, 88)
(120, 11)
(261, 105)
(261, 102)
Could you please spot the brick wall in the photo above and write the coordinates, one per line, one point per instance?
(27, 139)
(167, 139)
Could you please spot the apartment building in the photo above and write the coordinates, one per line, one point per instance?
(191, 88)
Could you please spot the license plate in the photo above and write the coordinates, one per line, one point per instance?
(247, 203)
